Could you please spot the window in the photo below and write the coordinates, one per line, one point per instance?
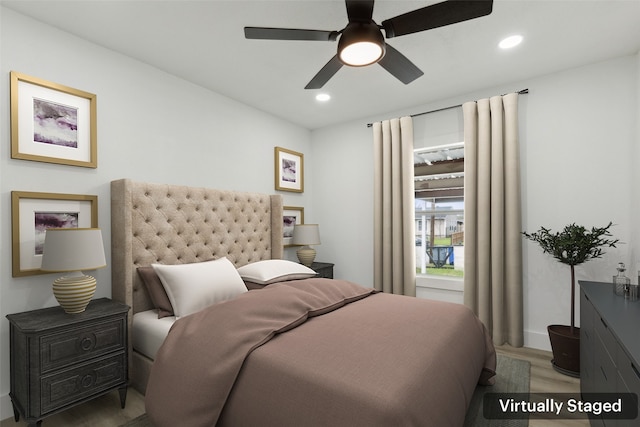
(439, 209)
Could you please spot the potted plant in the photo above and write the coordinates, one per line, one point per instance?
(573, 246)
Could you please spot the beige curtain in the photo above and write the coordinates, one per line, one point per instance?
(394, 212)
(492, 210)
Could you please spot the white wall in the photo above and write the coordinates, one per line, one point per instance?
(578, 135)
(151, 126)
(581, 134)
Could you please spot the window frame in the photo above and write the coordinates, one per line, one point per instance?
(439, 176)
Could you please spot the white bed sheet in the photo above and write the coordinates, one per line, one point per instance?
(149, 332)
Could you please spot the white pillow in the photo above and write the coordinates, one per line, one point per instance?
(192, 287)
(274, 270)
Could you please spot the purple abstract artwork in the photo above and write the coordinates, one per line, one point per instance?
(288, 222)
(45, 220)
(55, 124)
(288, 170)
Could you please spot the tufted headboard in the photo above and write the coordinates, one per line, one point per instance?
(171, 224)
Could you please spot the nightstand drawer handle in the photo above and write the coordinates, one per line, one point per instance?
(87, 343)
(87, 381)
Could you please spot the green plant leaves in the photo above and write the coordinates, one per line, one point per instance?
(575, 244)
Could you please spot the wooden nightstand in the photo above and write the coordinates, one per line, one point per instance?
(59, 360)
(324, 269)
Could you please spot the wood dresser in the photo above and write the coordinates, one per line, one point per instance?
(59, 360)
(609, 344)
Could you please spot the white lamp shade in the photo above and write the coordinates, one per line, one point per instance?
(73, 249)
(306, 234)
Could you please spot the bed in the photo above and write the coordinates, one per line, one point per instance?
(288, 358)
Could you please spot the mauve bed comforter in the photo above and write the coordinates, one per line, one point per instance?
(320, 352)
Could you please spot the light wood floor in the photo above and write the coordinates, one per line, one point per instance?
(101, 412)
(105, 411)
(545, 379)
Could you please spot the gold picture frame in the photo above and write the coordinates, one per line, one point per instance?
(33, 212)
(289, 170)
(291, 215)
(52, 123)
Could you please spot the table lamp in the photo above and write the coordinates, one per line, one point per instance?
(306, 235)
(73, 250)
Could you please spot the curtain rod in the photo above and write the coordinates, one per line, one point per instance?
(520, 92)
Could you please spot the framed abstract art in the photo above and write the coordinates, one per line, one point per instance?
(291, 216)
(32, 213)
(52, 123)
(289, 170)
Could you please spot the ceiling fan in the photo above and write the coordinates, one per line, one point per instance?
(361, 42)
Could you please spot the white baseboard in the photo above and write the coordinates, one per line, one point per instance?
(539, 340)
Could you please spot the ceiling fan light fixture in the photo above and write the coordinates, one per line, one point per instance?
(361, 53)
(361, 44)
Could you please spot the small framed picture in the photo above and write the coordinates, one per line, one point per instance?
(291, 216)
(33, 213)
(52, 123)
(289, 170)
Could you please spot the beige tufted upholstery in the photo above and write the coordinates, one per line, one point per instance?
(171, 224)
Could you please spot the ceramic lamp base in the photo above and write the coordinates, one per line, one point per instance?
(306, 255)
(74, 292)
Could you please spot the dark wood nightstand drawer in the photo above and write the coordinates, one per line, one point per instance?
(76, 345)
(323, 269)
(59, 359)
(68, 386)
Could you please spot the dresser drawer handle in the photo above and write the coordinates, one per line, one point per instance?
(635, 370)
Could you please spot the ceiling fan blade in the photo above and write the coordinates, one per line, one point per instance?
(399, 65)
(437, 15)
(262, 33)
(325, 73)
(359, 10)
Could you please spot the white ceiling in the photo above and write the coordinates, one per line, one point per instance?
(203, 42)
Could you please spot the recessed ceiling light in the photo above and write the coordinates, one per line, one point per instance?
(323, 97)
(510, 42)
